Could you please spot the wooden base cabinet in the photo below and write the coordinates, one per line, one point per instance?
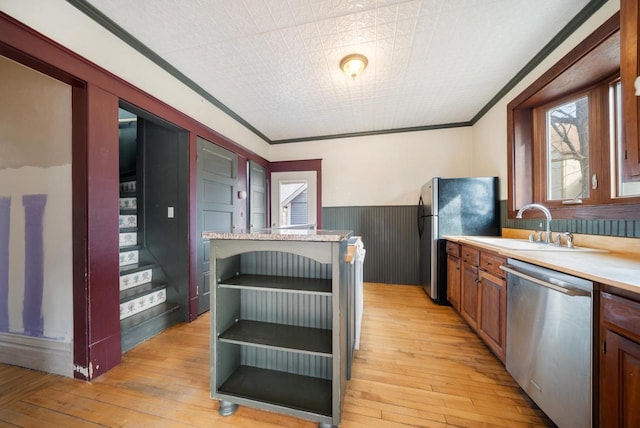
(619, 362)
(483, 294)
(492, 317)
(453, 275)
(469, 285)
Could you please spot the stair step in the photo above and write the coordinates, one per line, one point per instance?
(140, 327)
(135, 267)
(139, 290)
(133, 279)
(130, 248)
(128, 186)
(128, 238)
(128, 258)
(126, 221)
(128, 203)
(143, 301)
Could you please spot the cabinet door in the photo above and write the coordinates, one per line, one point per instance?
(619, 382)
(629, 47)
(492, 312)
(453, 282)
(469, 294)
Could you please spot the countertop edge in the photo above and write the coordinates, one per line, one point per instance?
(567, 263)
(283, 236)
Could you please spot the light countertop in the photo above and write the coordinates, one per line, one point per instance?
(313, 235)
(621, 270)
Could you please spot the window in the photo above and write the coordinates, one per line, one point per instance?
(570, 147)
(567, 147)
(564, 135)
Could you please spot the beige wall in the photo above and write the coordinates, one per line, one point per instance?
(383, 169)
(35, 159)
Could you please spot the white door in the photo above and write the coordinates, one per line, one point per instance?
(294, 199)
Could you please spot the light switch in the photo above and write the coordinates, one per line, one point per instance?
(169, 212)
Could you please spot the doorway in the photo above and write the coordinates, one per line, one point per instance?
(153, 221)
(293, 199)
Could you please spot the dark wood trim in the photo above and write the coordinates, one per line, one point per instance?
(303, 165)
(56, 60)
(194, 239)
(629, 70)
(103, 193)
(584, 14)
(136, 44)
(96, 95)
(370, 133)
(80, 250)
(593, 62)
(591, 42)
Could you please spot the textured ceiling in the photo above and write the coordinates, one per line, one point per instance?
(275, 63)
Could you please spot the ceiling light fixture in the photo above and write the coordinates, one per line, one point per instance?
(353, 64)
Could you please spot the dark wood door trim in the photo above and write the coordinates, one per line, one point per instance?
(302, 165)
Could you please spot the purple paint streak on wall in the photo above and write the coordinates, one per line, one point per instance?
(5, 218)
(33, 264)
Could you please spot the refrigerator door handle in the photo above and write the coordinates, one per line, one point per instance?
(420, 217)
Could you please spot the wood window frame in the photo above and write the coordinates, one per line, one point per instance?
(590, 65)
(598, 98)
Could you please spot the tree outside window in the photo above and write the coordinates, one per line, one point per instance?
(568, 150)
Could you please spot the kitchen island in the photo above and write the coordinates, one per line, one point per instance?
(279, 323)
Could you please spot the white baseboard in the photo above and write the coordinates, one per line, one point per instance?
(37, 353)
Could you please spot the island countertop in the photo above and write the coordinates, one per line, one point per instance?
(309, 235)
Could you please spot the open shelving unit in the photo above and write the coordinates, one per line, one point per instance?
(276, 327)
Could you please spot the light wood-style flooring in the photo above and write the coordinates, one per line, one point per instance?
(418, 365)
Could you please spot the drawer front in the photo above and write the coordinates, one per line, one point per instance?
(470, 255)
(491, 263)
(621, 313)
(453, 249)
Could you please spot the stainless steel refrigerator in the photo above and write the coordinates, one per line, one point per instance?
(453, 206)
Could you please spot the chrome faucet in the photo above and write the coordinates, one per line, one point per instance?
(547, 213)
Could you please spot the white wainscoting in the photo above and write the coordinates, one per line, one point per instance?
(37, 353)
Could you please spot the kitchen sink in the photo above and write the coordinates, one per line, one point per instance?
(524, 245)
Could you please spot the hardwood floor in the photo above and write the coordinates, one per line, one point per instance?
(418, 365)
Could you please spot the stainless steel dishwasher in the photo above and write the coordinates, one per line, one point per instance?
(549, 340)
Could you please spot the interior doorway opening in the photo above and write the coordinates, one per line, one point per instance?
(153, 225)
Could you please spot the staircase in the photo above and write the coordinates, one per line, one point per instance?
(144, 309)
